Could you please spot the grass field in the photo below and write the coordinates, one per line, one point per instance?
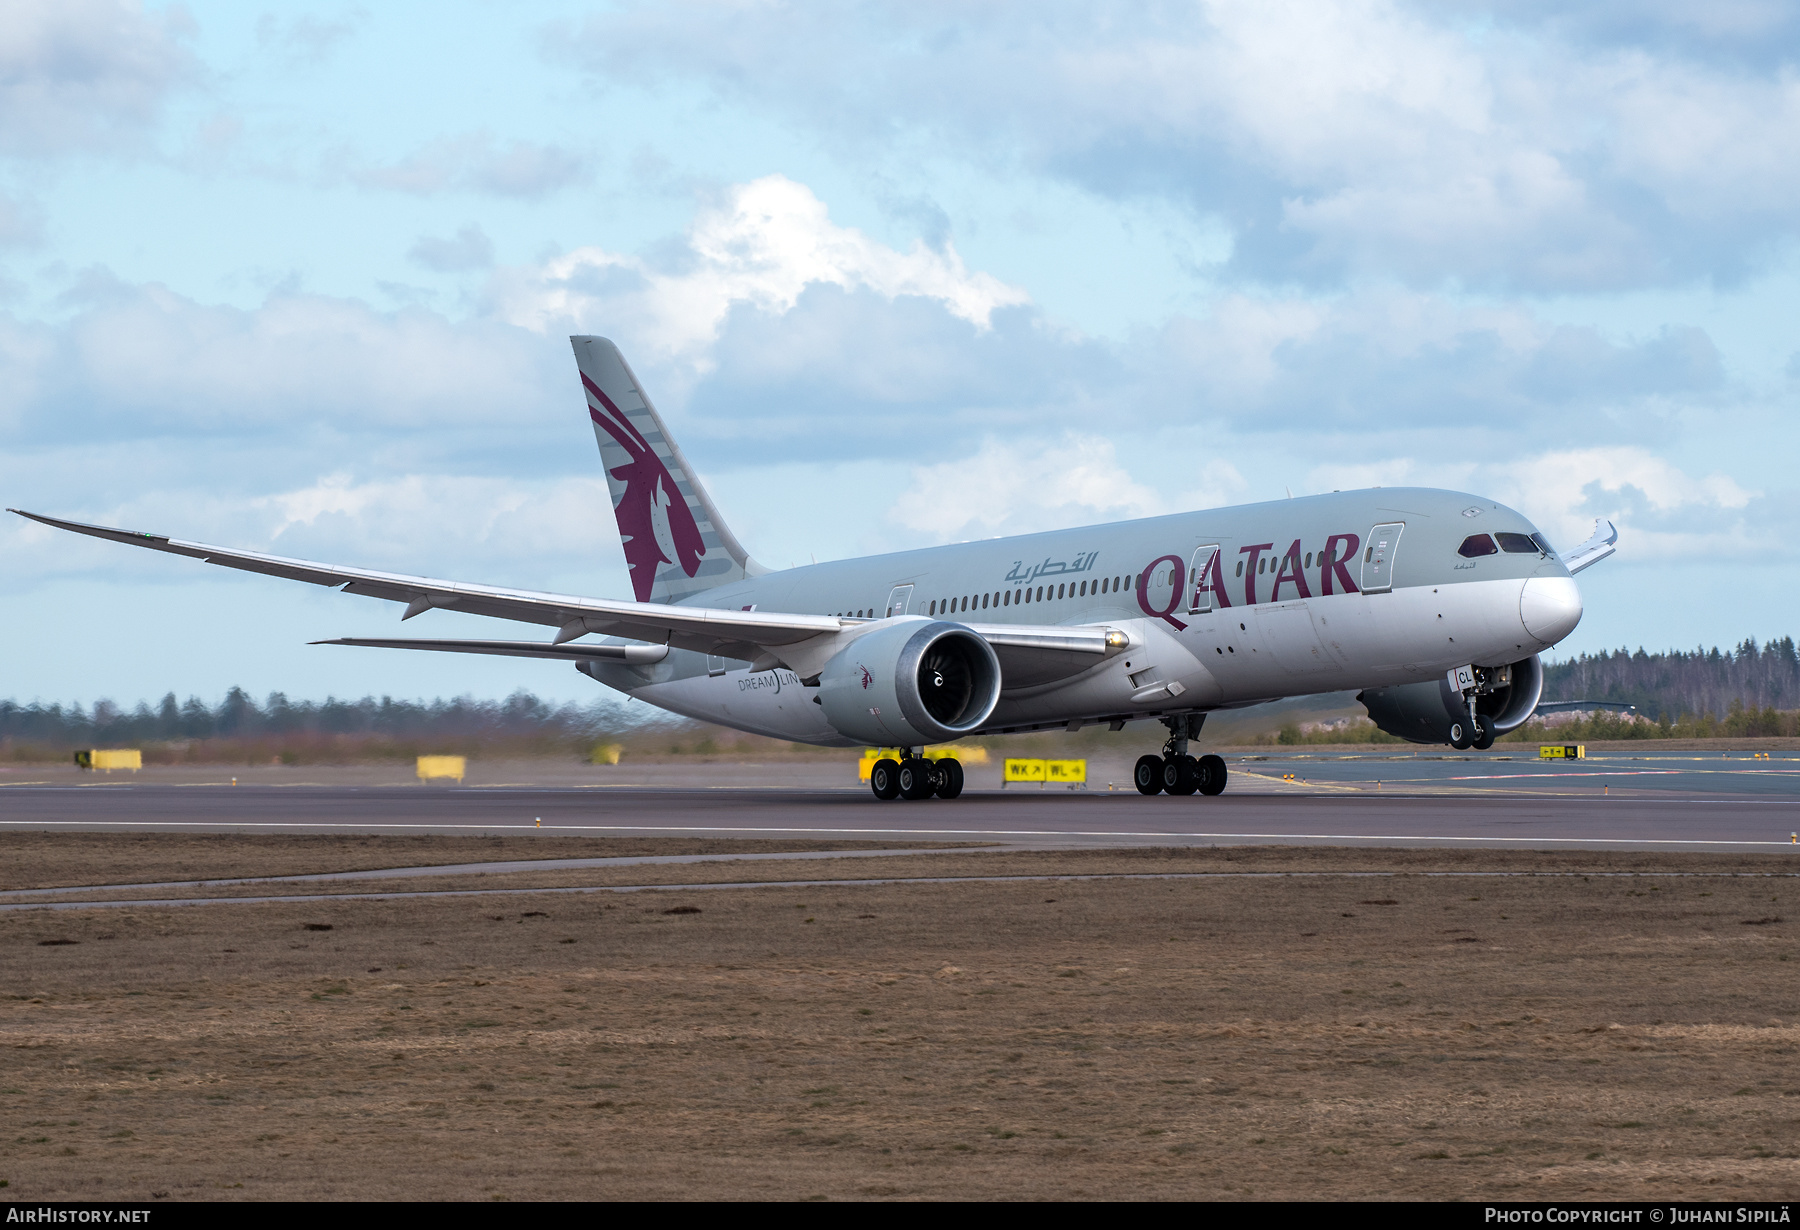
(1345, 1035)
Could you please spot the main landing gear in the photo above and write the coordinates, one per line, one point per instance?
(914, 777)
(1175, 771)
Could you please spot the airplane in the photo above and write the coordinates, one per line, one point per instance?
(1433, 605)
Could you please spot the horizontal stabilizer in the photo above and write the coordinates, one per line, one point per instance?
(636, 655)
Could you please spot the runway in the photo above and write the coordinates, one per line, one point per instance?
(1469, 816)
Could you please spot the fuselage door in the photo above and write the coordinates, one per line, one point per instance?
(1201, 578)
(899, 600)
(1378, 557)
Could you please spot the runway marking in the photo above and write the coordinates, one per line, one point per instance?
(894, 832)
(747, 884)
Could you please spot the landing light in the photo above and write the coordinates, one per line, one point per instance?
(1117, 640)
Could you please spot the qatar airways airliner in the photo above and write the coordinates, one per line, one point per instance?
(1433, 604)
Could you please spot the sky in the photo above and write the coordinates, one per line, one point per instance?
(300, 278)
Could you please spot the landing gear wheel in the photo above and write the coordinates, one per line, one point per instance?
(949, 777)
(1460, 737)
(916, 779)
(884, 779)
(1212, 774)
(1484, 732)
(1148, 775)
(1180, 775)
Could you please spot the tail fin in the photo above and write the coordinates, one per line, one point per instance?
(676, 545)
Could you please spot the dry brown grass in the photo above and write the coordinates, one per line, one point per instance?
(1329, 1037)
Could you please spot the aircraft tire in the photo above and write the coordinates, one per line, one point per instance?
(1147, 776)
(1460, 738)
(949, 777)
(884, 779)
(1180, 775)
(1212, 774)
(916, 779)
(1484, 732)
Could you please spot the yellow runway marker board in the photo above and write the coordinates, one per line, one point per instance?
(1070, 773)
(110, 759)
(442, 766)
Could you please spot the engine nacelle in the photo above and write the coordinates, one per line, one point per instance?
(1422, 712)
(917, 681)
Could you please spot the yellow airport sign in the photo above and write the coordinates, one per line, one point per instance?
(442, 766)
(1563, 751)
(1070, 773)
(1024, 771)
(115, 758)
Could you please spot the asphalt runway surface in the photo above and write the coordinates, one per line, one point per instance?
(1683, 801)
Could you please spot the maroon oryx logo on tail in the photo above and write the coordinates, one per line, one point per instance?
(654, 520)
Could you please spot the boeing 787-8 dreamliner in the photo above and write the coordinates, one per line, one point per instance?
(1433, 604)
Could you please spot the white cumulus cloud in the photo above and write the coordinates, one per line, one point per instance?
(1008, 488)
(769, 241)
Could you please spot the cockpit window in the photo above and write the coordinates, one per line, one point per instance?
(1543, 544)
(1477, 544)
(1517, 544)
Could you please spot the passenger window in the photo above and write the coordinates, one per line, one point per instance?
(1240, 568)
(1477, 544)
(1517, 544)
(1309, 559)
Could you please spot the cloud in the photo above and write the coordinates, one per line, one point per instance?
(469, 248)
(509, 530)
(1496, 147)
(1663, 512)
(476, 163)
(1384, 361)
(763, 246)
(1013, 488)
(86, 74)
(135, 362)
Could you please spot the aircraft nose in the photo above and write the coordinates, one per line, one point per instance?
(1550, 607)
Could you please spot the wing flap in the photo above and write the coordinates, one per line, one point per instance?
(634, 654)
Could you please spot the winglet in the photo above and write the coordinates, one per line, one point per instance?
(1600, 544)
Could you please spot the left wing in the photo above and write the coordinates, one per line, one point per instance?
(1029, 654)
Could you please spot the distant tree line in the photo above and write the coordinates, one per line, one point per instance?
(1702, 683)
(305, 730)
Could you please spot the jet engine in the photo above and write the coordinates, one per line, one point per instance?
(1423, 712)
(916, 682)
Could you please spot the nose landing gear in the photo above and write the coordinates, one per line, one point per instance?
(1175, 771)
(1477, 729)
